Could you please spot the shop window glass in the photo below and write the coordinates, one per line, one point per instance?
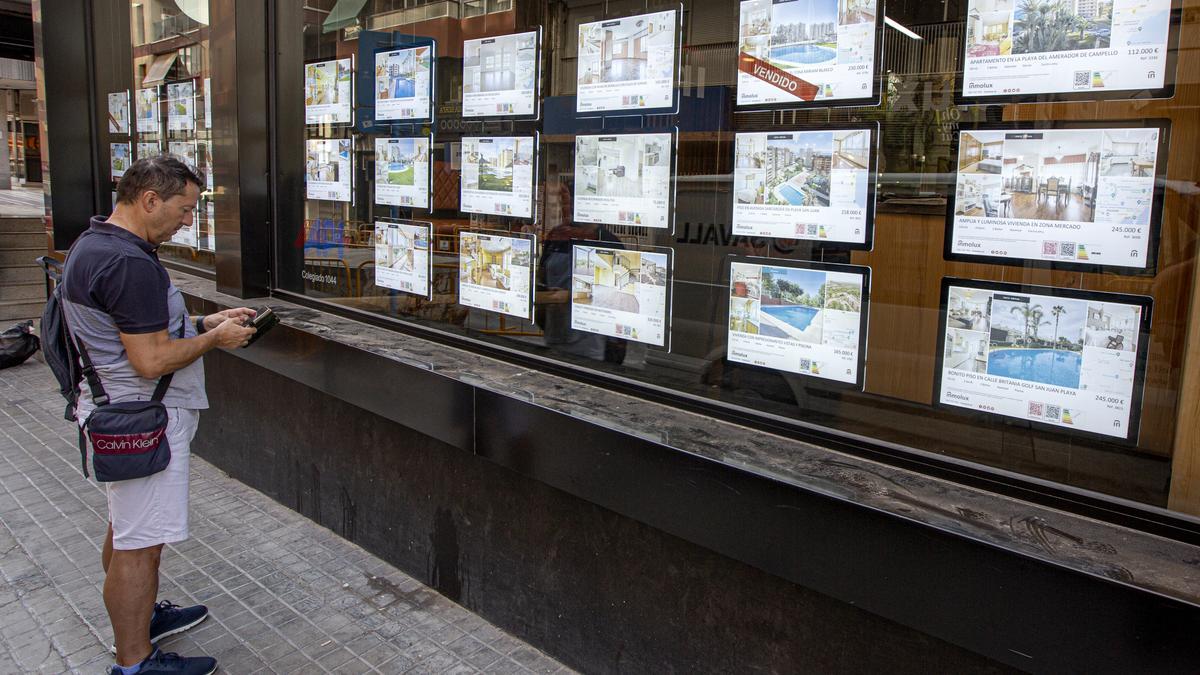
(804, 213)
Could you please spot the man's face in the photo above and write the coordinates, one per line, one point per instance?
(168, 216)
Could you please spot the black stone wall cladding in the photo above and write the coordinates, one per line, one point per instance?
(598, 590)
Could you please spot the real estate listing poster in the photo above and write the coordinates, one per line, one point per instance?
(799, 317)
(185, 151)
(1073, 197)
(148, 149)
(808, 51)
(1065, 358)
(181, 106)
(495, 272)
(624, 179)
(402, 172)
(628, 64)
(404, 83)
(208, 103)
(148, 121)
(328, 169)
(498, 175)
(501, 76)
(118, 112)
(118, 159)
(621, 293)
(402, 259)
(209, 241)
(1079, 49)
(329, 92)
(204, 151)
(805, 185)
(188, 235)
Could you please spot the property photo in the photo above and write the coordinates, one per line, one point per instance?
(852, 149)
(1057, 26)
(118, 157)
(791, 304)
(495, 158)
(1128, 152)
(803, 33)
(856, 11)
(968, 309)
(1037, 339)
(396, 164)
(1053, 177)
(981, 152)
(989, 27)
(118, 113)
(1112, 326)
(396, 72)
(793, 170)
(606, 278)
(616, 167)
(966, 350)
(503, 64)
(493, 261)
(323, 162)
(621, 52)
(322, 80)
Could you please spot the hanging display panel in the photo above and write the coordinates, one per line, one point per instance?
(625, 179)
(404, 83)
(628, 64)
(1084, 196)
(501, 76)
(402, 258)
(402, 172)
(498, 174)
(118, 112)
(329, 92)
(795, 53)
(181, 106)
(148, 121)
(495, 272)
(814, 184)
(622, 293)
(329, 169)
(1065, 359)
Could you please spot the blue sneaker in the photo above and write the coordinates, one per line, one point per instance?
(169, 619)
(163, 663)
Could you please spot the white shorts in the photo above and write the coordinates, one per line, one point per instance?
(153, 510)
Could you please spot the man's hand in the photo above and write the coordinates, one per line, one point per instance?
(211, 321)
(230, 333)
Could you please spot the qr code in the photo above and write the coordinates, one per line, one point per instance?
(805, 365)
(1053, 412)
(1083, 79)
(1036, 409)
(1049, 248)
(1067, 248)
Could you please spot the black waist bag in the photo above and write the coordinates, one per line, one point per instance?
(129, 439)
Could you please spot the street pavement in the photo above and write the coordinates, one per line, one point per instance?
(286, 595)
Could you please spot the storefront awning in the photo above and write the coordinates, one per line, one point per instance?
(157, 72)
(343, 14)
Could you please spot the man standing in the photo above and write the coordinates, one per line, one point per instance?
(119, 302)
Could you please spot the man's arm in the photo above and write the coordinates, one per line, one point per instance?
(153, 355)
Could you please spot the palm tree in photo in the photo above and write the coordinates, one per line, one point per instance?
(1037, 322)
(1057, 311)
(1026, 312)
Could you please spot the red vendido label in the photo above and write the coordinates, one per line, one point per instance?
(752, 65)
(125, 444)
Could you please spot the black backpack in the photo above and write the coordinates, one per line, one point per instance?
(17, 344)
(57, 346)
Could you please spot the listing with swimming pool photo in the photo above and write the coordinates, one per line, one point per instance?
(628, 64)
(328, 169)
(500, 75)
(497, 175)
(620, 293)
(805, 318)
(402, 172)
(329, 92)
(1107, 47)
(624, 179)
(403, 80)
(495, 272)
(807, 51)
(1081, 196)
(1070, 360)
(803, 185)
(402, 260)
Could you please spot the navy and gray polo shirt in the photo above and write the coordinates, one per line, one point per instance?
(112, 284)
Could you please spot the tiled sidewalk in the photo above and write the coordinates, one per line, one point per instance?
(287, 596)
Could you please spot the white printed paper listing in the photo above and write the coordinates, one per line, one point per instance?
(402, 83)
(402, 259)
(1023, 47)
(627, 64)
(181, 106)
(1083, 196)
(620, 293)
(146, 107)
(797, 319)
(497, 175)
(118, 112)
(328, 169)
(1064, 361)
(494, 273)
(624, 179)
(500, 75)
(803, 185)
(806, 51)
(148, 149)
(328, 92)
(402, 172)
(118, 159)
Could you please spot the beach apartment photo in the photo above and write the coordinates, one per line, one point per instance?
(621, 53)
(989, 28)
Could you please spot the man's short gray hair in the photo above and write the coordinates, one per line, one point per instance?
(165, 175)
